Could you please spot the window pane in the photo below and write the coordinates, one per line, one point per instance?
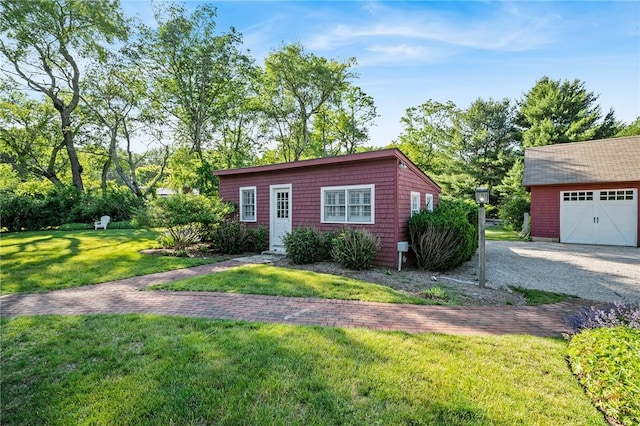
(248, 204)
(359, 205)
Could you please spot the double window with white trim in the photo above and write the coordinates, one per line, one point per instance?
(248, 204)
(348, 204)
(415, 202)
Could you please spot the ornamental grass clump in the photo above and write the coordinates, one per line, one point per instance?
(446, 237)
(355, 248)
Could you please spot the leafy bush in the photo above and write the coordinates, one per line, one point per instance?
(63, 205)
(75, 226)
(607, 364)
(140, 217)
(445, 238)
(33, 212)
(259, 239)
(231, 237)
(118, 203)
(187, 217)
(611, 315)
(123, 224)
(512, 211)
(181, 237)
(303, 245)
(326, 245)
(355, 248)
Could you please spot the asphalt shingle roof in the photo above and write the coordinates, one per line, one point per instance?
(596, 161)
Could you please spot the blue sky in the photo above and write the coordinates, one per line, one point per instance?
(410, 52)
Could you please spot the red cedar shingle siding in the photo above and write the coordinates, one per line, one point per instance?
(392, 206)
(545, 212)
(545, 206)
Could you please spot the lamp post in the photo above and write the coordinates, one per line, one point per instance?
(482, 198)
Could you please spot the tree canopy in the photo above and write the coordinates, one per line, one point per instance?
(93, 102)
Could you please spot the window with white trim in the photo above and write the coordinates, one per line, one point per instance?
(428, 203)
(415, 203)
(248, 204)
(347, 204)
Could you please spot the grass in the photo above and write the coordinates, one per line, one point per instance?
(275, 281)
(42, 261)
(540, 297)
(499, 233)
(607, 363)
(147, 370)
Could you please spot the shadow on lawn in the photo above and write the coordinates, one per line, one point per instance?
(158, 370)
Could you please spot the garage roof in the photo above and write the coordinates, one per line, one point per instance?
(597, 161)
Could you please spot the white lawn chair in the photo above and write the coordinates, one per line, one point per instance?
(104, 221)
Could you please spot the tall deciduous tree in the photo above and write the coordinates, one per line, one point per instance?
(196, 72)
(29, 137)
(297, 85)
(342, 125)
(555, 111)
(428, 134)
(44, 43)
(115, 96)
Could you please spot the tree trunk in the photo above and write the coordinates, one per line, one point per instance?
(76, 168)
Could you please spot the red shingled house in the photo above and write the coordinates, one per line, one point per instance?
(585, 192)
(377, 191)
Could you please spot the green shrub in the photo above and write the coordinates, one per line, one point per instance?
(180, 237)
(355, 248)
(122, 224)
(231, 237)
(140, 217)
(447, 237)
(607, 364)
(118, 203)
(188, 218)
(63, 205)
(259, 238)
(75, 226)
(326, 245)
(512, 211)
(303, 245)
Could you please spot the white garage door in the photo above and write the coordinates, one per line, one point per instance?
(607, 217)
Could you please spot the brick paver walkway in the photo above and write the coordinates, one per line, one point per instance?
(127, 296)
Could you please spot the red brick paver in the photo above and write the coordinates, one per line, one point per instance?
(127, 296)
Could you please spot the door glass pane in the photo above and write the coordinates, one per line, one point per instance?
(282, 204)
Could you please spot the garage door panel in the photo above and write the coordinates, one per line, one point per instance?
(617, 222)
(576, 223)
(608, 217)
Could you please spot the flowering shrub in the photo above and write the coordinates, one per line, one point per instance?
(611, 315)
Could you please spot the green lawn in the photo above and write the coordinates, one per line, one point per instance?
(275, 281)
(148, 370)
(42, 261)
(498, 233)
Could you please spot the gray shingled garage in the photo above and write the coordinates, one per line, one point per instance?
(585, 192)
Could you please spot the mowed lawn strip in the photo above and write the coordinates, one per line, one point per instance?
(50, 260)
(499, 233)
(149, 370)
(277, 281)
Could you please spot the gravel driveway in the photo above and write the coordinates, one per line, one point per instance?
(601, 273)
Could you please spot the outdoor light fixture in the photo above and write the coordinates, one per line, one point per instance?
(482, 196)
(402, 165)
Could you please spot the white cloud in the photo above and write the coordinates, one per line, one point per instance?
(506, 29)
